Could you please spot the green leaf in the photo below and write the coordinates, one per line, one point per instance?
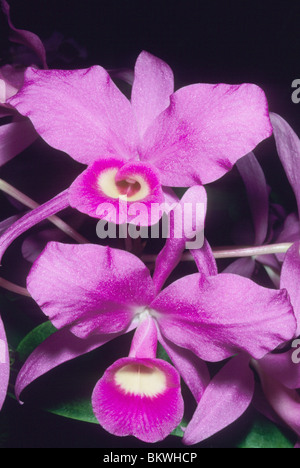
(33, 339)
(79, 409)
(265, 434)
(178, 431)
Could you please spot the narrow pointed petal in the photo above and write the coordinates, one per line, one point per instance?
(62, 346)
(258, 194)
(80, 112)
(193, 370)
(205, 260)
(219, 316)
(4, 365)
(139, 397)
(225, 400)
(290, 277)
(58, 203)
(15, 137)
(90, 288)
(153, 84)
(204, 131)
(187, 219)
(26, 38)
(288, 148)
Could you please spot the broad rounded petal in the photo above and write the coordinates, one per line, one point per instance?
(139, 397)
(90, 288)
(153, 84)
(224, 401)
(288, 148)
(15, 137)
(218, 316)
(60, 347)
(119, 192)
(282, 368)
(204, 131)
(51, 207)
(4, 364)
(193, 370)
(290, 277)
(258, 194)
(26, 38)
(80, 112)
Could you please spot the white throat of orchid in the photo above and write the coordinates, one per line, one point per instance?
(131, 189)
(141, 380)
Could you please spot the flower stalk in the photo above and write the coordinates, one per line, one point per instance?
(29, 203)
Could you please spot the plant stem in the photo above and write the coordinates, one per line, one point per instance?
(13, 287)
(234, 252)
(29, 203)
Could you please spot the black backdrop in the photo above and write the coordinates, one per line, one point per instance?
(203, 41)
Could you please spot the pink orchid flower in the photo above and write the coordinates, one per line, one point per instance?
(279, 372)
(93, 293)
(160, 138)
(137, 150)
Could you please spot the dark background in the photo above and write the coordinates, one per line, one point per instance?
(203, 41)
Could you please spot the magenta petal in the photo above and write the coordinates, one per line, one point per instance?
(4, 365)
(204, 131)
(81, 112)
(284, 401)
(144, 342)
(26, 38)
(90, 288)
(58, 203)
(170, 255)
(243, 267)
(119, 192)
(288, 147)
(15, 137)
(60, 347)
(224, 401)
(153, 84)
(193, 370)
(258, 194)
(282, 368)
(218, 316)
(205, 260)
(290, 277)
(149, 407)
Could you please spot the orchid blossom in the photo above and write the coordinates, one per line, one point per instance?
(93, 293)
(137, 150)
(279, 374)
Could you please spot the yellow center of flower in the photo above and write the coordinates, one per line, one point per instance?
(131, 188)
(141, 380)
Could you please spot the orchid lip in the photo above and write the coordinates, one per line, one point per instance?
(141, 380)
(132, 188)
